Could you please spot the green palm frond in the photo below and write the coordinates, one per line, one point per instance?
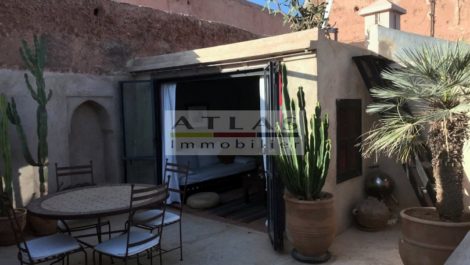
(433, 85)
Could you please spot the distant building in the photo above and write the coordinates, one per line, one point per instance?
(451, 19)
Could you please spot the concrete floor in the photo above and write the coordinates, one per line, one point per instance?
(210, 242)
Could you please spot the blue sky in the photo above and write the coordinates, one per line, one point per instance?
(259, 2)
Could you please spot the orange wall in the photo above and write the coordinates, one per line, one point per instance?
(452, 18)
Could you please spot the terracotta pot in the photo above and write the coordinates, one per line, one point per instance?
(42, 227)
(7, 237)
(427, 241)
(371, 214)
(311, 227)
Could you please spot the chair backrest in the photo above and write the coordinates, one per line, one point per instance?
(7, 205)
(182, 172)
(139, 195)
(85, 172)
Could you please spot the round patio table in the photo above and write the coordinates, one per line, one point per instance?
(91, 202)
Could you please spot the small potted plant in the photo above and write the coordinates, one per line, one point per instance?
(423, 112)
(6, 186)
(310, 215)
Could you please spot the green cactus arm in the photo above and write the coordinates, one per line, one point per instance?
(15, 119)
(40, 51)
(5, 149)
(25, 53)
(30, 87)
(42, 135)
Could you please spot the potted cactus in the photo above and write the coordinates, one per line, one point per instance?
(34, 61)
(6, 182)
(310, 219)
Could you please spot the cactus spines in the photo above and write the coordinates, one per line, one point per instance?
(304, 174)
(5, 150)
(34, 61)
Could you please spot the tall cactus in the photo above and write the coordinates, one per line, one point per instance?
(6, 185)
(34, 61)
(303, 174)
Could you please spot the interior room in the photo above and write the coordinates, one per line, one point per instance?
(237, 179)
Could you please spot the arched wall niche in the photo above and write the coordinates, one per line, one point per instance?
(89, 138)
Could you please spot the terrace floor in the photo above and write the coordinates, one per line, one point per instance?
(209, 242)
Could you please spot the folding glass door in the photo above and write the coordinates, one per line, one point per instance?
(141, 132)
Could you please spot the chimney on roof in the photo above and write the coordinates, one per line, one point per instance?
(382, 12)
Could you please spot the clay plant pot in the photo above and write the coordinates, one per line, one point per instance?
(311, 227)
(7, 237)
(426, 240)
(40, 226)
(371, 214)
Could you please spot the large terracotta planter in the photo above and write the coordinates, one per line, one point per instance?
(40, 226)
(311, 227)
(427, 241)
(7, 237)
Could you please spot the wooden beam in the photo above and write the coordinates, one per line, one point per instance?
(270, 46)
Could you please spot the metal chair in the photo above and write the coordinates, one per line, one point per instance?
(135, 241)
(85, 172)
(55, 247)
(170, 218)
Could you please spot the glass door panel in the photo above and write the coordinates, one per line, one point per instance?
(139, 128)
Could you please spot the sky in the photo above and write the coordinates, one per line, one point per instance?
(259, 2)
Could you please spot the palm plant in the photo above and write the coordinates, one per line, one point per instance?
(424, 108)
(303, 171)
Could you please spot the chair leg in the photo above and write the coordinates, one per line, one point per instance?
(109, 230)
(86, 256)
(181, 242)
(94, 259)
(68, 260)
(160, 254)
(151, 257)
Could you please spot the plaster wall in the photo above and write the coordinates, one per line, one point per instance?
(237, 13)
(452, 20)
(70, 91)
(390, 43)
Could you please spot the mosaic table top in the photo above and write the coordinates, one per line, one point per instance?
(86, 202)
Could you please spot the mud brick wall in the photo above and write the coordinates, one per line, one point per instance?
(99, 36)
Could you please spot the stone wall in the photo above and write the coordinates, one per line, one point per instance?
(242, 14)
(99, 36)
(452, 20)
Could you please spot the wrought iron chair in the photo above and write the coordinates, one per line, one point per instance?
(86, 173)
(170, 218)
(55, 247)
(135, 241)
